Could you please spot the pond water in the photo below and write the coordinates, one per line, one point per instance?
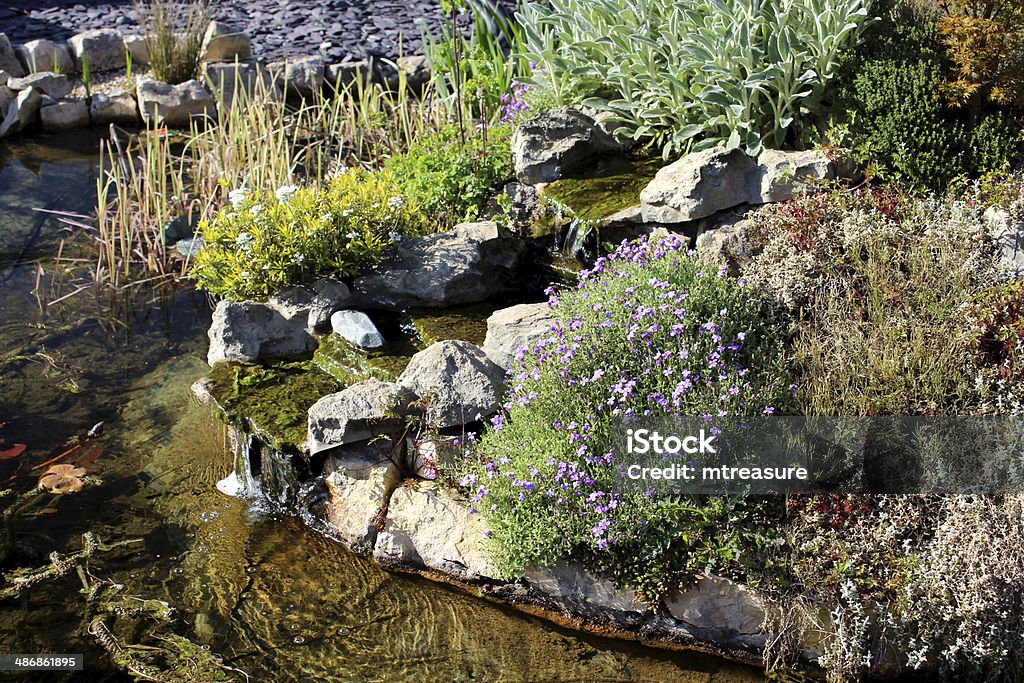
(273, 597)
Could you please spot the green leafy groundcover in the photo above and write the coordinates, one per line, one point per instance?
(650, 330)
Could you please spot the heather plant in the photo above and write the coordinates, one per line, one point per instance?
(262, 241)
(694, 75)
(650, 332)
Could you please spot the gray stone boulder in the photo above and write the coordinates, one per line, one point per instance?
(726, 238)
(248, 330)
(357, 329)
(235, 83)
(716, 603)
(137, 48)
(301, 76)
(556, 141)
(312, 305)
(222, 43)
(462, 383)
(470, 264)
(344, 75)
(1008, 236)
(174, 106)
(45, 55)
(576, 587)
(8, 59)
(779, 173)
(514, 328)
(416, 69)
(103, 47)
(426, 529)
(20, 110)
(64, 115)
(698, 185)
(360, 413)
(118, 108)
(4, 78)
(54, 85)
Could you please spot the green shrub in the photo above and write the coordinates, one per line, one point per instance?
(700, 74)
(452, 181)
(264, 242)
(653, 332)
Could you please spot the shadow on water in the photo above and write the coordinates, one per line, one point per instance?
(276, 599)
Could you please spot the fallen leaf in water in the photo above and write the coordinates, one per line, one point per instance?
(62, 478)
(88, 453)
(13, 451)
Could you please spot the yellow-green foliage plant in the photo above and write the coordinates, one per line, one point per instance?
(265, 241)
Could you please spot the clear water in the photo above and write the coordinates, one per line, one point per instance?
(273, 597)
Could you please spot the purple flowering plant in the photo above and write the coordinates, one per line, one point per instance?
(650, 331)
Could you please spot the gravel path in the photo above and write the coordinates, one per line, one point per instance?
(278, 28)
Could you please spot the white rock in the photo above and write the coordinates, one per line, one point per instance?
(45, 55)
(174, 106)
(249, 330)
(556, 141)
(103, 47)
(21, 110)
(357, 329)
(514, 328)
(358, 490)
(780, 172)
(574, 584)
(1008, 236)
(64, 115)
(718, 603)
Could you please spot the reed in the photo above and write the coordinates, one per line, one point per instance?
(173, 31)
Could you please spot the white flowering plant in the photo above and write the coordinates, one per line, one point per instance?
(261, 242)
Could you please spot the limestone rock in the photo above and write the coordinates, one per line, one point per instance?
(174, 106)
(45, 55)
(427, 529)
(56, 86)
(236, 83)
(103, 47)
(8, 59)
(727, 239)
(460, 380)
(137, 48)
(359, 413)
(118, 108)
(470, 264)
(514, 328)
(359, 484)
(718, 603)
(64, 115)
(357, 329)
(221, 43)
(779, 173)
(698, 185)
(21, 110)
(554, 142)
(1008, 236)
(248, 330)
(303, 76)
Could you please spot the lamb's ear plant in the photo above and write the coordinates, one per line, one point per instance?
(743, 73)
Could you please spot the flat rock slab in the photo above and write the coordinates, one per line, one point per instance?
(359, 413)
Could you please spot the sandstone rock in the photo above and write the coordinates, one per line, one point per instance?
(137, 48)
(303, 76)
(56, 86)
(45, 55)
(64, 115)
(460, 380)
(427, 529)
(313, 304)
(472, 263)
(356, 328)
(359, 413)
(21, 110)
(518, 327)
(221, 43)
(554, 142)
(698, 185)
(248, 330)
(8, 60)
(577, 587)
(119, 108)
(779, 173)
(103, 47)
(174, 106)
(416, 69)
(726, 239)
(1008, 236)
(720, 604)
(359, 484)
(235, 83)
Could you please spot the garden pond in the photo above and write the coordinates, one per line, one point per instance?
(272, 596)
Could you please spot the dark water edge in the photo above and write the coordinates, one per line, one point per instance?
(273, 597)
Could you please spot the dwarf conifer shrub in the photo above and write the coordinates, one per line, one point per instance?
(649, 332)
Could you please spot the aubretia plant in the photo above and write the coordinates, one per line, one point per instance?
(263, 242)
(650, 331)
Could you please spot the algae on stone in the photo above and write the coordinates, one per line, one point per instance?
(465, 323)
(350, 365)
(613, 186)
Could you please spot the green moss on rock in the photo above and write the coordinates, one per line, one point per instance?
(467, 323)
(349, 365)
(613, 186)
